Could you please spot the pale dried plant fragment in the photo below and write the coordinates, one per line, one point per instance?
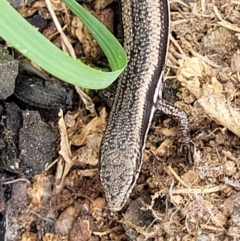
(210, 94)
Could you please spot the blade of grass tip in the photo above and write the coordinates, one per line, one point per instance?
(112, 48)
(27, 40)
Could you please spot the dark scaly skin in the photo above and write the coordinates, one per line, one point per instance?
(145, 30)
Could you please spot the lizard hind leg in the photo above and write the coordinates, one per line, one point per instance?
(183, 123)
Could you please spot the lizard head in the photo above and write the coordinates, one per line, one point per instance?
(119, 170)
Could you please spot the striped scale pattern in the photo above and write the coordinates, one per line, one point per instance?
(145, 30)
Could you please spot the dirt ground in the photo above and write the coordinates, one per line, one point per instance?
(173, 199)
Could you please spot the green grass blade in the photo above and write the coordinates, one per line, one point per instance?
(22, 36)
(112, 49)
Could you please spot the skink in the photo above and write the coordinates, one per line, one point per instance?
(146, 38)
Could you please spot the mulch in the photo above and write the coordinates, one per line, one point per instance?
(172, 200)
